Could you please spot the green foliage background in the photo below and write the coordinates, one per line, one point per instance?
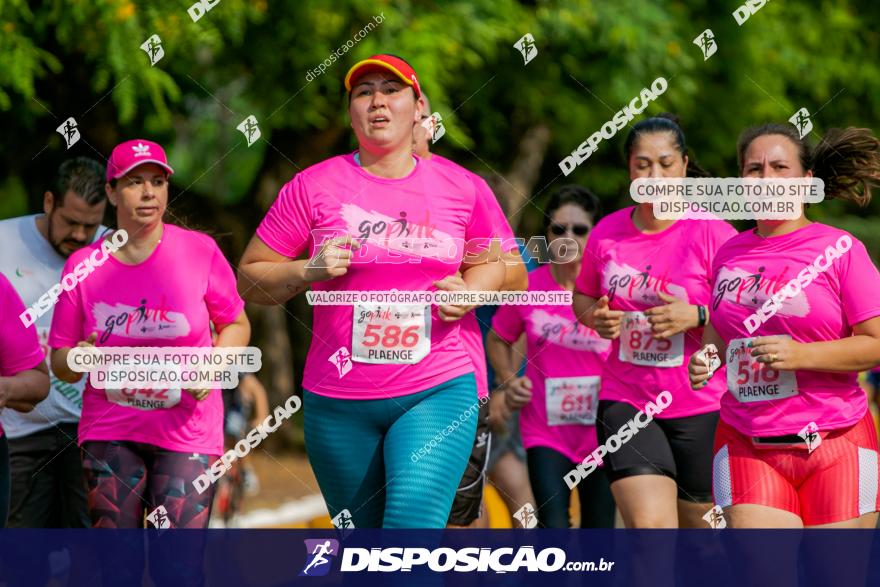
(82, 59)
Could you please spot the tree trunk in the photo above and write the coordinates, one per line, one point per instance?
(524, 172)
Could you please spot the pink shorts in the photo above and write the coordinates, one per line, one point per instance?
(835, 482)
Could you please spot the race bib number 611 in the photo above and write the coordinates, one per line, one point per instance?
(572, 400)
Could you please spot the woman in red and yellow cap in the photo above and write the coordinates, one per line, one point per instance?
(157, 285)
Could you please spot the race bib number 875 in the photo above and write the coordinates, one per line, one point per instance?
(390, 334)
(751, 381)
(639, 347)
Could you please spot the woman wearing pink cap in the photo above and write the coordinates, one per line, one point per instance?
(144, 448)
(795, 316)
(390, 397)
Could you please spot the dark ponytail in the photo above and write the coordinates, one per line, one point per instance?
(848, 161)
(668, 123)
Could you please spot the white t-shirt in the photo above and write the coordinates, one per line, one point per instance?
(32, 266)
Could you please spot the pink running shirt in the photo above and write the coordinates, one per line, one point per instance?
(412, 230)
(748, 269)
(19, 346)
(564, 354)
(630, 267)
(169, 299)
(471, 335)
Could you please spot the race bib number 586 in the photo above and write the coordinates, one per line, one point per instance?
(639, 347)
(390, 334)
(751, 381)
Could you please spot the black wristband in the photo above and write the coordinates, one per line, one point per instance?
(701, 316)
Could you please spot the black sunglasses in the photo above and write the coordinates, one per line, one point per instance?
(577, 229)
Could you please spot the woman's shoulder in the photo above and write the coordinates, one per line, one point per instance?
(190, 238)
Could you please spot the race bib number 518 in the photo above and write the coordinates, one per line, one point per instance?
(751, 381)
(386, 334)
(639, 347)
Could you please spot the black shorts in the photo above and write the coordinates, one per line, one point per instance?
(680, 448)
(469, 495)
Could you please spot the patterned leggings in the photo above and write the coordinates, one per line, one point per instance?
(130, 480)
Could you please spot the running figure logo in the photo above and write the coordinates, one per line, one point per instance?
(343, 520)
(159, 518)
(801, 120)
(68, 129)
(342, 360)
(706, 42)
(249, 129)
(318, 553)
(526, 46)
(526, 516)
(153, 48)
(715, 518)
(810, 434)
(434, 125)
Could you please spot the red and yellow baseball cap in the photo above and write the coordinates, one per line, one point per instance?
(384, 62)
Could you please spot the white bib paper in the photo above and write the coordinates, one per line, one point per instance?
(572, 400)
(390, 334)
(639, 347)
(751, 381)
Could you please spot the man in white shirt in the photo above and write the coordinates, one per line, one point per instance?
(48, 488)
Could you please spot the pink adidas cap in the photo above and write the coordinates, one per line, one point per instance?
(128, 155)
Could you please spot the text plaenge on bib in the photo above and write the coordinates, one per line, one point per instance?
(565, 362)
(632, 269)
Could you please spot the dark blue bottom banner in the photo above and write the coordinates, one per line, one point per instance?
(270, 558)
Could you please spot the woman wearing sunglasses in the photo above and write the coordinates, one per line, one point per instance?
(645, 285)
(559, 392)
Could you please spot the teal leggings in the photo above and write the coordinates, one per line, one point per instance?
(393, 463)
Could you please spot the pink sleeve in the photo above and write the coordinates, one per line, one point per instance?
(221, 297)
(499, 221)
(719, 233)
(508, 323)
(859, 284)
(286, 226)
(19, 346)
(587, 281)
(68, 316)
(479, 230)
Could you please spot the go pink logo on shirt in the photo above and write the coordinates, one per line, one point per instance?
(138, 322)
(402, 234)
(639, 285)
(566, 333)
(740, 287)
